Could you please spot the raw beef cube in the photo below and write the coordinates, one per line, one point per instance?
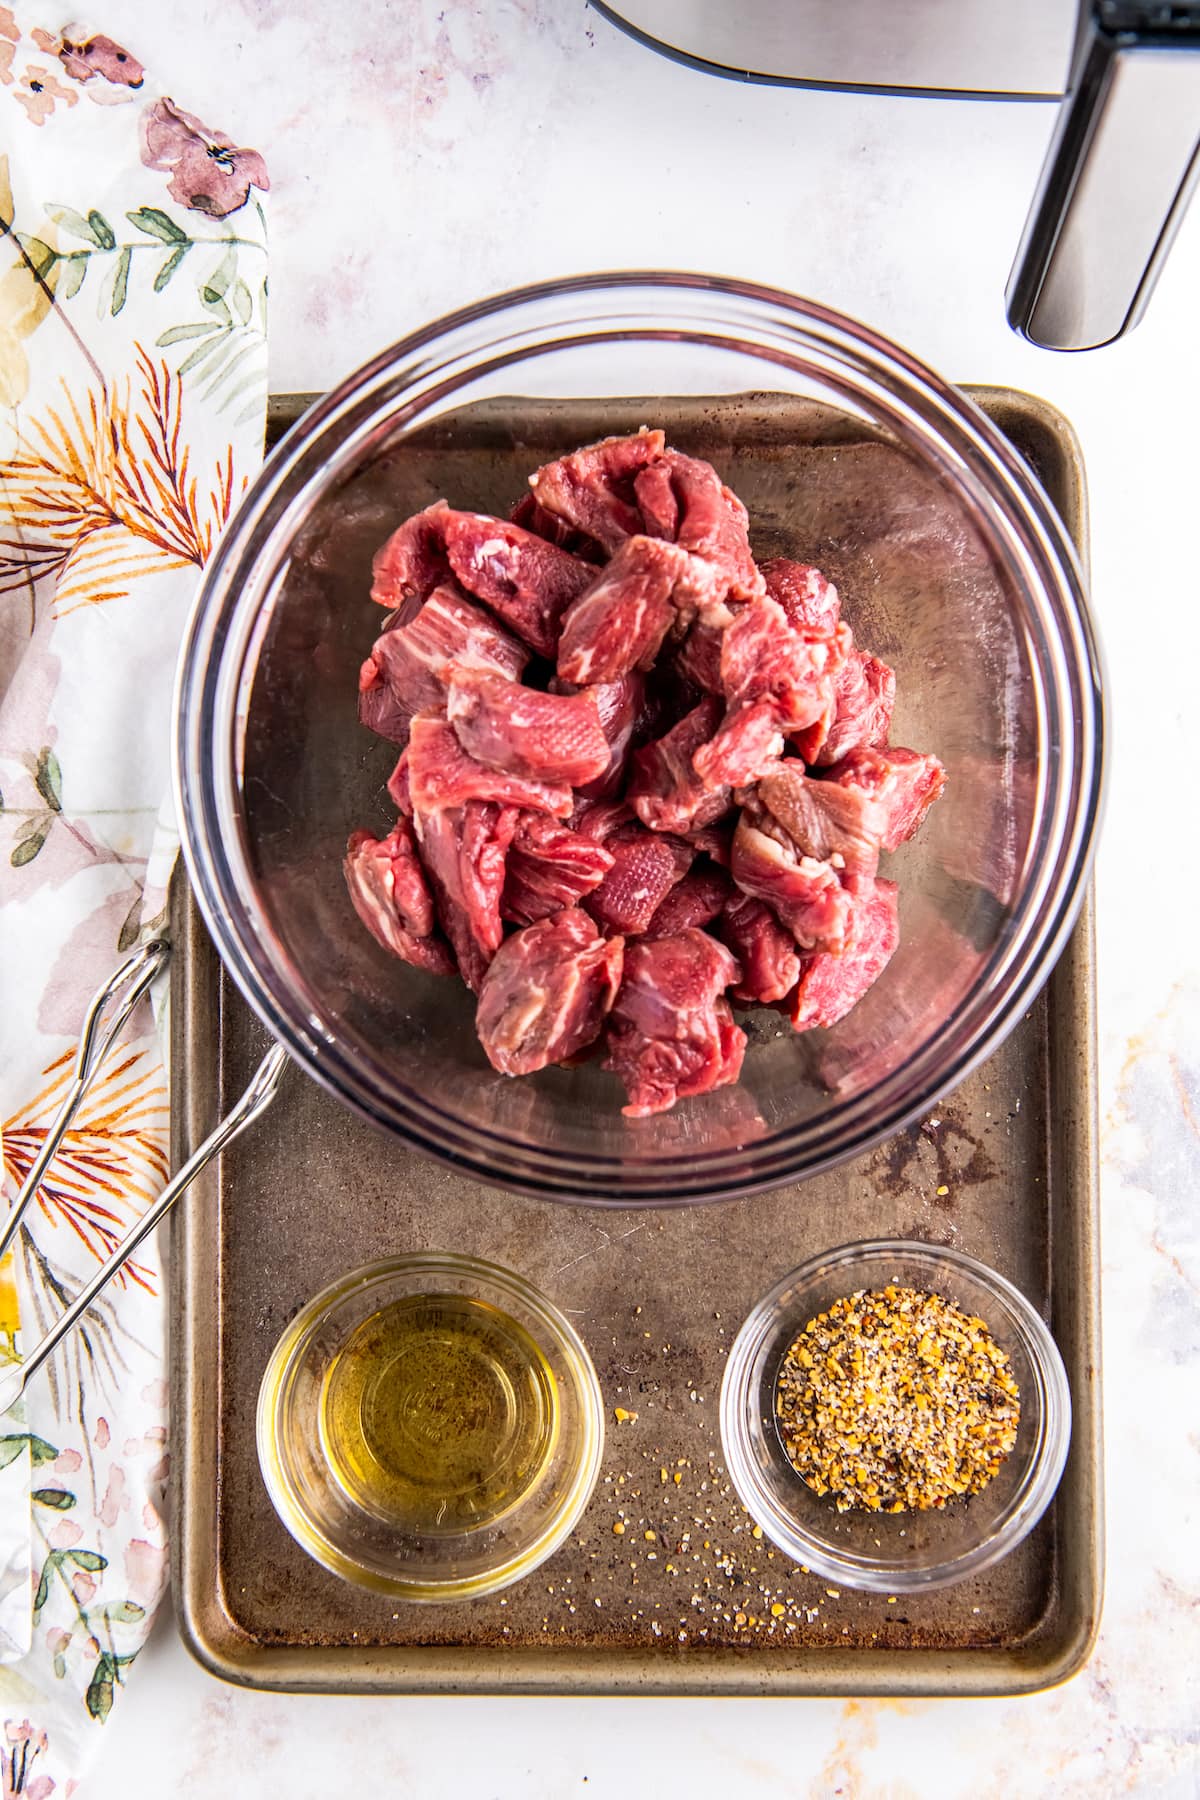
(378, 707)
(808, 742)
(836, 824)
(413, 561)
(464, 851)
(441, 774)
(545, 737)
(390, 895)
(764, 948)
(399, 787)
(532, 517)
(802, 891)
(526, 581)
(657, 500)
(646, 866)
(549, 867)
(619, 705)
(670, 978)
(745, 745)
(671, 1033)
(665, 791)
(413, 661)
(547, 993)
(600, 819)
(775, 680)
(864, 695)
(684, 500)
(592, 489)
(619, 622)
(762, 658)
(830, 985)
(698, 658)
(715, 841)
(902, 785)
(809, 600)
(696, 900)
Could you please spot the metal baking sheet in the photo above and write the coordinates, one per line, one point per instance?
(685, 1599)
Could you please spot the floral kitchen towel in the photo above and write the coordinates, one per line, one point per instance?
(132, 395)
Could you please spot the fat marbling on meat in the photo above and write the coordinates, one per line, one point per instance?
(671, 1033)
(523, 731)
(547, 993)
(549, 867)
(391, 896)
(665, 790)
(409, 666)
(829, 986)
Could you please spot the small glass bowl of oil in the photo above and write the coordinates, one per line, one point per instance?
(430, 1427)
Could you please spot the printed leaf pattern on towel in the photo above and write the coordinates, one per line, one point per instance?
(230, 337)
(37, 822)
(112, 1161)
(133, 312)
(106, 491)
(69, 1585)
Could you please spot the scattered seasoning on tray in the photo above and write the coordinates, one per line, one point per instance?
(896, 1401)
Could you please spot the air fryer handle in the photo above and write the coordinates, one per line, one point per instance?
(1118, 176)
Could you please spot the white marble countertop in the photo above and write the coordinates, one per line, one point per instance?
(423, 155)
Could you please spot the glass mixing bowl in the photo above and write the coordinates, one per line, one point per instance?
(850, 454)
(894, 1552)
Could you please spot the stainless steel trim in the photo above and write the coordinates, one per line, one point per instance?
(1118, 177)
(1022, 47)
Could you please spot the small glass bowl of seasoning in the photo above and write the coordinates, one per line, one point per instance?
(430, 1427)
(895, 1416)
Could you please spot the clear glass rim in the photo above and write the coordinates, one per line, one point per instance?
(739, 1420)
(929, 417)
(500, 1285)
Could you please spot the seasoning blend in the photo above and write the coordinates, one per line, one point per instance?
(894, 1400)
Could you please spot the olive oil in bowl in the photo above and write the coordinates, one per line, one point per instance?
(439, 1413)
(430, 1426)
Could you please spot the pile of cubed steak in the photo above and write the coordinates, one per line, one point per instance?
(643, 779)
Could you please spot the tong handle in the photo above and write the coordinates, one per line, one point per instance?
(257, 1097)
(107, 1017)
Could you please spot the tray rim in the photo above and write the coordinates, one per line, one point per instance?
(1039, 1661)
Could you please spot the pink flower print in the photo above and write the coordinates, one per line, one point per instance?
(10, 35)
(22, 1746)
(24, 1733)
(83, 1587)
(83, 58)
(208, 172)
(38, 91)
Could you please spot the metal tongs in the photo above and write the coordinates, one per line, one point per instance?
(107, 1017)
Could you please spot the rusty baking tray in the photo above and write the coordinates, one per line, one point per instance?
(684, 1599)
